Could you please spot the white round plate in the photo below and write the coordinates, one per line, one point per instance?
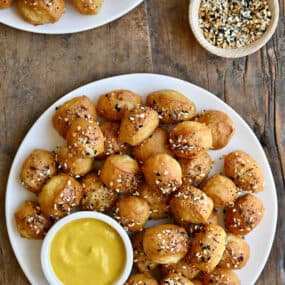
(43, 135)
(71, 21)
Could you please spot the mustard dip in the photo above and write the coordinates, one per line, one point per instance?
(87, 251)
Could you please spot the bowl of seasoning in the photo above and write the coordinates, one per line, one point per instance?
(86, 248)
(233, 28)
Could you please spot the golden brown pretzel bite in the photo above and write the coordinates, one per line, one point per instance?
(165, 244)
(245, 215)
(85, 138)
(96, 196)
(175, 279)
(87, 7)
(138, 124)
(38, 167)
(156, 143)
(189, 204)
(31, 222)
(221, 277)
(196, 169)
(113, 104)
(222, 190)
(221, 126)
(60, 195)
(208, 247)
(163, 172)
(172, 106)
(6, 3)
(245, 172)
(188, 139)
(133, 213)
(78, 107)
(121, 173)
(141, 279)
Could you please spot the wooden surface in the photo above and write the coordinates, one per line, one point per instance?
(35, 70)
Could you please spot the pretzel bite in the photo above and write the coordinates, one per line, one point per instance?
(113, 104)
(78, 107)
(39, 12)
(184, 267)
(85, 138)
(221, 126)
(188, 139)
(208, 247)
(196, 282)
(245, 172)
(121, 173)
(72, 164)
(221, 277)
(189, 204)
(87, 7)
(138, 124)
(163, 172)
(196, 169)
(5, 4)
(245, 215)
(31, 222)
(96, 196)
(156, 143)
(141, 279)
(175, 279)
(133, 213)
(38, 167)
(59, 196)
(140, 260)
(112, 144)
(236, 254)
(196, 228)
(172, 106)
(158, 202)
(165, 244)
(222, 190)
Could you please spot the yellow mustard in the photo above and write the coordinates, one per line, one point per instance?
(87, 251)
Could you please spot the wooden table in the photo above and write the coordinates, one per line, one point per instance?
(36, 70)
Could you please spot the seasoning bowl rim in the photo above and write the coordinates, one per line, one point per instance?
(45, 249)
(193, 17)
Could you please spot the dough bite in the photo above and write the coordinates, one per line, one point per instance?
(221, 276)
(78, 107)
(87, 7)
(244, 171)
(188, 139)
(221, 126)
(133, 213)
(31, 222)
(6, 3)
(137, 279)
(96, 196)
(121, 173)
(222, 190)
(196, 169)
(189, 204)
(245, 215)
(38, 167)
(163, 172)
(156, 143)
(171, 105)
(165, 244)
(175, 279)
(85, 138)
(138, 124)
(60, 195)
(208, 247)
(112, 105)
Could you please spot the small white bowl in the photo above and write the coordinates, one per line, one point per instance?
(229, 52)
(45, 251)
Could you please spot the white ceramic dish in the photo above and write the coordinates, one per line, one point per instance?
(72, 21)
(45, 252)
(43, 135)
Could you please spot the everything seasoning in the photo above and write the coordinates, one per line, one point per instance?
(233, 23)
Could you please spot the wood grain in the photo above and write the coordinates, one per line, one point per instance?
(35, 70)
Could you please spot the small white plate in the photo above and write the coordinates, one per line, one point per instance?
(43, 135)
(71, 21)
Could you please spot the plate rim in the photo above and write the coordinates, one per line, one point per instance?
(129, 76)
(32, 28)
